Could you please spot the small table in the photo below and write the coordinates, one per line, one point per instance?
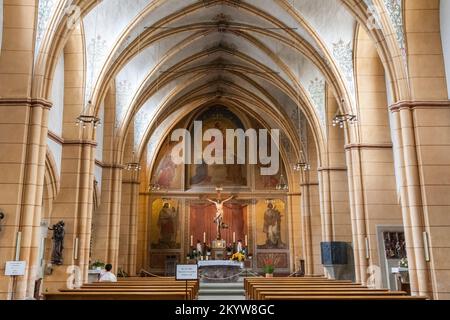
(94, 275)
(402, 277)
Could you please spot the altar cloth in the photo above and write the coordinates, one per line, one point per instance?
(220, 270)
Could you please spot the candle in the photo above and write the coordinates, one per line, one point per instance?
(192, 240)
(246, 240)
(204, 237)
(234, 237)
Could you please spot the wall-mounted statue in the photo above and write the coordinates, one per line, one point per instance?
(2, 216)
(58, 242)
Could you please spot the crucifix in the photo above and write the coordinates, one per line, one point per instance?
(218, 220)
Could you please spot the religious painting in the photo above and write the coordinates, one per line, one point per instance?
(394, 245)
(167, 174)
(221, 119)
(165, 224)
(271, 224)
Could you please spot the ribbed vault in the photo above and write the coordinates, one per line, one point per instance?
(273, 57)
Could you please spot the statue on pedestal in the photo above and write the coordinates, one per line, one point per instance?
(58, 242)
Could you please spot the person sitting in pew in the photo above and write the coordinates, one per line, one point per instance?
(108, 276)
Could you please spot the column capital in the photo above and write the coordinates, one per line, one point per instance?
(368, 146)
(309, 184)
(109, 165)
(34, 103)
(332, 169)
(411, 105)
(81, 142)
(131, 181)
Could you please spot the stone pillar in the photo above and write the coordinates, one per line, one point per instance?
(23, 123)
(359, 218)
(74, 205)
(295, 223)
(23, 131)
(423, 191)
(307, 228)
(128, 227)
(107, 217)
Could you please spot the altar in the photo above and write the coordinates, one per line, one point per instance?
(220, 270)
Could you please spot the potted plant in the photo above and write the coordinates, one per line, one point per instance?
(269, 269)
(269, 264)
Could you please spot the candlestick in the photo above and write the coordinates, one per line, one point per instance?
(246, 240)
(192, 240)
(204, 237)
(234, 237)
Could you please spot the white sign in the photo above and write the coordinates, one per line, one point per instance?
(187, 272)
(15, 268)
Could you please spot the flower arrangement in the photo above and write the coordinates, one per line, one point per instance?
(237, 257)
(97, 265)
(269, 269)
(403, 263)
(269, 264)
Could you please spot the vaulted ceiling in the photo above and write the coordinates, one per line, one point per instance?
(270, 57)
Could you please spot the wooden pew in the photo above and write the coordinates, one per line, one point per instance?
(262, 295)
(256, 291)
(144, 284)
(166, 288)
(253, 283)
(175, 295)
(342, 297)
(316, 289)
(311, 281)
(190, 292)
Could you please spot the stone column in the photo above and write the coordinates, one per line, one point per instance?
(23, 131)
(23, 123)
(74, 205)
(128, 227)
(306, 228)
(107, 217)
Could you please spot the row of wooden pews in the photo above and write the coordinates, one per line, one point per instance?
(316, 288)
(133, 288)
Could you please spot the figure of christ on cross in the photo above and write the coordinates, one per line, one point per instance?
(218, 220)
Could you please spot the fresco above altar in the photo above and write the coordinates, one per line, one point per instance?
(200, 175)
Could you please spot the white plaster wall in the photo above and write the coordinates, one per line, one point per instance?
(55, 120)
(445, 35)
(56, 150)
(98, 172)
